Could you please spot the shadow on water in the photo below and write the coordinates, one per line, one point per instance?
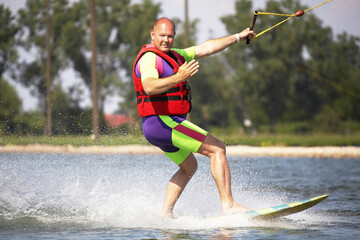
(121, 195)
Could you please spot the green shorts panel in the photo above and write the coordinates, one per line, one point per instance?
(185, 135)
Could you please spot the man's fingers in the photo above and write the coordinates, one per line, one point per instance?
(189, 69)
(193, 67)
(193, 64)
(247, 33)
(194, 72)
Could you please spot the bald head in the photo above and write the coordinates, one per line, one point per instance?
(162, 21)
(163, 34)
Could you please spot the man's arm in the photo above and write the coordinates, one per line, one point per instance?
(212, 46)
(153, 86)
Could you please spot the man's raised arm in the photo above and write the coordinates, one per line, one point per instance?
(216, 45)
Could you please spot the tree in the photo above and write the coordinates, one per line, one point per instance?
(10, 103)
(8, 31)
(271, 63)
(10, 107)
(336, 75)
(48, 72)
(213, 99)
(122, 28)
(94, 85)
(32, 39)
(118, 26)
(68, 117)
(268, 73)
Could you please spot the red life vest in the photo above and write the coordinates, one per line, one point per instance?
(176, 101)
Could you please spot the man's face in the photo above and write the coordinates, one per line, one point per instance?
(162, 36)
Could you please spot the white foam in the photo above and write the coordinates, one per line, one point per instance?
(123, 192)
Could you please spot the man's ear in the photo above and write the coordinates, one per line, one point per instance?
(152, 33)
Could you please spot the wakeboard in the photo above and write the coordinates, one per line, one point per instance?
(276, 211)
(285, 209)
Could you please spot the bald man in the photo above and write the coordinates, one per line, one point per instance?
(161, 74)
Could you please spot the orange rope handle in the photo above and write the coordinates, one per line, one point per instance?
(297, 14)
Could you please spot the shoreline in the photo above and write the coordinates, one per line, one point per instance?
(238, 150)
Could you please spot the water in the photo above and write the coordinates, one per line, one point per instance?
(85, 196)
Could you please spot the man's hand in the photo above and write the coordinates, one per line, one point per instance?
(154, 86)
(245, 33)
(187, 70)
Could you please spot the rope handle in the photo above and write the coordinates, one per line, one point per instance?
(252, 26)
(297, 14)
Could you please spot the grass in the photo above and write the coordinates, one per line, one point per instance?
(227, 138)
(294, 140)
(106, 140)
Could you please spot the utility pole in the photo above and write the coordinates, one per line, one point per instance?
(186, 37)
(95, 111)
(186, 32)
(48, 127)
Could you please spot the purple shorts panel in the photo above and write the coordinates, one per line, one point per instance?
(158, 133)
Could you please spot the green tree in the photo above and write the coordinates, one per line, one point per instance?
(10, 107)
(8, 30)
(179, 41)
(122, 28)
(118, 27)
(10, 103)
(213, 97)
(336, 80)
(268, 77)
(33, 28)
(68, 117)
(272, 74)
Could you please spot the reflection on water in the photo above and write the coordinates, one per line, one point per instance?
(99, 196)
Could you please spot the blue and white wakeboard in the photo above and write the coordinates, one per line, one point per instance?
(285, 209)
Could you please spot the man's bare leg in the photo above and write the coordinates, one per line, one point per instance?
(177, 184)
(215, 150)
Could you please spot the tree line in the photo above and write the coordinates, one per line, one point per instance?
(297, 78)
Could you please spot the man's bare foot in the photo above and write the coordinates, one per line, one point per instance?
(168, 215)
(234, 208)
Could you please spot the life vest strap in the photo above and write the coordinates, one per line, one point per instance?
(163, 98)
(171, 90)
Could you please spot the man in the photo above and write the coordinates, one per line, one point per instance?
(160, 76)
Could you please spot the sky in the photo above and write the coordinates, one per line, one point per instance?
(341, 15)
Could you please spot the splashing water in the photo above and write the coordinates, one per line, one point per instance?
(73, 191)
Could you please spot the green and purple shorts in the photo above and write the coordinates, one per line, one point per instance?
(174, 135)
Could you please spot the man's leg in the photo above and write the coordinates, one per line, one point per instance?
(177, 184)
(215, 150)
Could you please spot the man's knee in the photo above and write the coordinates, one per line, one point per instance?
(221, 149)
(189, 172)
(192, 170)
(218, 146)
(212, 146)
(189, 166)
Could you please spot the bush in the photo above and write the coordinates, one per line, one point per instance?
(32, 123)
(294, 127)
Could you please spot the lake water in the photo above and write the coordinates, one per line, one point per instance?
(100, 196)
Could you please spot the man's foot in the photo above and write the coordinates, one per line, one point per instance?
(169, 215)
(234, 208)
